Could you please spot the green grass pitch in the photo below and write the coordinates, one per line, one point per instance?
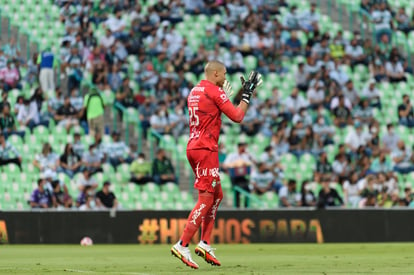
(252, 259)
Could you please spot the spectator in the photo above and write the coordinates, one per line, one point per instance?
(70, 163)
(46, 159)
(105, 199)
(160, 120)
(54, 103)
(162, 169)
(125, 96)
(390, 139)
(92, 161)
(262, 180)
(295, 143)
(352, 191)
(141, 170)
(8, 153)
(47, 61)
(293, 45)
(408, 195)
(66, 115)
(382, 19)
(73, 65)
(291, 21)
(337, 74)
(279, 142)
(403, 21)
(61, 198)
(309, 19)
(369, 201)
(271, 160)
(41, 198)
(402, 158)
(324, 131)
(364, 112)
(78, 146)
(301, 77)
(341, 167)
(86, 196)
(288, 197)
(116, 25)
(76, 100)
(8, 124)
(94, 108)
(10, 76)
(355, 54)
(118, 151)
(405, 112)
(87, 182)
(328, 196)
(395, 70)
(342, 113)
(145, 112)
(307, 197)
(356, 138)
(316, 94)
(351, 93)
(234, 61)
(294, 102)
(323, 167)
(238, 164)
(372, 94)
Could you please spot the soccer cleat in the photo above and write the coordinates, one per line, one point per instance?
(205, 251)
(183, 253)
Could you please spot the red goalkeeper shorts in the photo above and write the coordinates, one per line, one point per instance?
(205, 165)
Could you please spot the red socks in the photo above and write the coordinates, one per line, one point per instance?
(209, 219)
(203, 206)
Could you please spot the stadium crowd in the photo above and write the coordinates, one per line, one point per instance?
(143, 61)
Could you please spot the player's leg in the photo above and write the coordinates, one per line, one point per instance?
(180, 249)
(204, 249)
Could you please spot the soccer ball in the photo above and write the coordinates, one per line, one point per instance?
(86, 241)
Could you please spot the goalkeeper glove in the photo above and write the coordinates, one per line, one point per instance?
(249, 86)
(227, 88)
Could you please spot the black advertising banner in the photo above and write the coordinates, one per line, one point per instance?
(153, 227)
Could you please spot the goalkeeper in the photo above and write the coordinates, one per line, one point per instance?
(206, 102)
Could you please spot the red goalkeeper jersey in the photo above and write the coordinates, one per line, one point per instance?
(206, 102)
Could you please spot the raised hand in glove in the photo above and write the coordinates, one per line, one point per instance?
(249, 86)
(227, 88)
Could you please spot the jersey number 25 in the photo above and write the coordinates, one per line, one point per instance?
(194, 120)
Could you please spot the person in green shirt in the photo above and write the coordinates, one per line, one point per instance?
(209, 40)
(162, 169)
(94, 108)
(141, 170)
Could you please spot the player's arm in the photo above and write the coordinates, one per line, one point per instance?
(236, 114)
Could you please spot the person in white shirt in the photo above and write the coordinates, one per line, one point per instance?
(338, 74)
(316, 94)
(390, 139)
(355, 54)
(108, 40)
(356, 138)
(261, 180)
(351, 93)
(402, 158)
(291, 21)
(309, 20)
(118, 152)
(371, 93)
(382, 19)
(116, 25)
(352, 191)
(239, 164)
(233, 60)
(288, 195)
(295, 102)
(395, 70)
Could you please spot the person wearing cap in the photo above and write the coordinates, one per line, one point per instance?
(41, 197)
(105, 198)
(239, 164)
(8, 153)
